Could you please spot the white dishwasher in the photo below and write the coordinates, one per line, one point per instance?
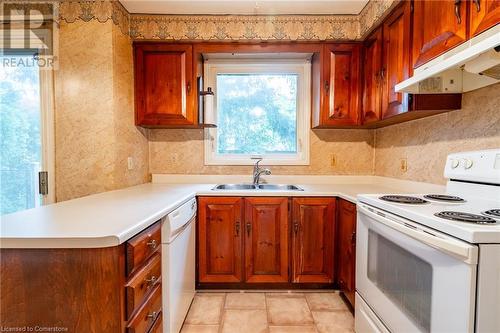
(178, 265)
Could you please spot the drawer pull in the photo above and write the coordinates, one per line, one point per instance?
(152, 281)
(152, 315)
(152, 244)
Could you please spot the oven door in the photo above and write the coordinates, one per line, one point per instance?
(414, 278)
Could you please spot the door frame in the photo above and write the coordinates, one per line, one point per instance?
(47, 131)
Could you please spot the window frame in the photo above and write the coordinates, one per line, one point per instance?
(300, 66)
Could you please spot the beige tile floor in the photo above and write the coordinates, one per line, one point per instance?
(272, 312)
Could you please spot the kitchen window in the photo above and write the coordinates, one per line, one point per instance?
(261, 108)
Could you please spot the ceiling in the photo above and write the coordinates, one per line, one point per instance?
(245, 7)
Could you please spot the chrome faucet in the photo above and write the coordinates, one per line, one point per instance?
(257, 171)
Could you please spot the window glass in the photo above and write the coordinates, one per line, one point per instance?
(20, 140)
(257, 114)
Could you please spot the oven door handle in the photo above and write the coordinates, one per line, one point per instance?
(461, 250)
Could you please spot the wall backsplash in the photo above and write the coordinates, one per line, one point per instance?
(425, 143)
(181, 151)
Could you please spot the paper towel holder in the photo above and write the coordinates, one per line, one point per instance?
(201, 103)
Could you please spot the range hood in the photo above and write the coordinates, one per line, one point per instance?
(469, 66)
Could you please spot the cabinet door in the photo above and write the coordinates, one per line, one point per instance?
(266, 239)
(341, 86)
(372, 60)
(395, 60)
(484, 14)
(220, 239)
(312, 241)
(164, 92)
(346, 247)
(438, 26)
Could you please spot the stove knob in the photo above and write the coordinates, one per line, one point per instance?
(454, 163)
(468, 163)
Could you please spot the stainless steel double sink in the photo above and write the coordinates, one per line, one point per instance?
(245, 187)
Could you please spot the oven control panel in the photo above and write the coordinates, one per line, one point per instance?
(476, 166)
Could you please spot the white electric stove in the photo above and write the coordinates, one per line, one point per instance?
(430, 262)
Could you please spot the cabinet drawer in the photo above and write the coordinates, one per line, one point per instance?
(158, 325)
(142, 283)
(147, 314)
(143, 246)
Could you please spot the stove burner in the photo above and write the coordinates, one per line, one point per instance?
(444, 197)
(403, 199)
(465, 217)
(495, 213)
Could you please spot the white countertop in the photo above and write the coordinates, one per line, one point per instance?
(111, 218)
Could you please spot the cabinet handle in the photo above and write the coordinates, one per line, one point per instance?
(189, 88)
(249, 228)
(353, 237)
(457, 11)
(152, 281)
(478, 5)
(152, 244)
(237, 226)
(152, 315)
(382, 74)
(327, 86)
(296, 227)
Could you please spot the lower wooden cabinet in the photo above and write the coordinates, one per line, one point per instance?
(346, 248)
(255, 240)
(266, 239)
(313, 240)
(84, 289)
(220, 236)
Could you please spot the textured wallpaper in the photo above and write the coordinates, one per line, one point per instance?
(426, 142)
(94, 112)
(181, 151)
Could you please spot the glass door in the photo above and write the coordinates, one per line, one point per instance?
(25, 133)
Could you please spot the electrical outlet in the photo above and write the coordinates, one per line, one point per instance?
(333, 160)
(130, 163)
(403, 165)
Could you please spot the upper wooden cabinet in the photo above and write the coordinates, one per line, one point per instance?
(313, 240)
(484, 14)
(346, 248)
(339, 87)
(438, 26)
(220, 239)
(165, 92)
(372, 60)
(395, 60)
(266, 239)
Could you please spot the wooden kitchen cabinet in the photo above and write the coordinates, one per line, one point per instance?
(372, 60)
(83, 289)
(395, 60)
(346, 248)
(313, 240)
(484, 14)
(340, 87)
(266, 239)
(165, 87)
(438, 26)
(220, 239)
(387, 55)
